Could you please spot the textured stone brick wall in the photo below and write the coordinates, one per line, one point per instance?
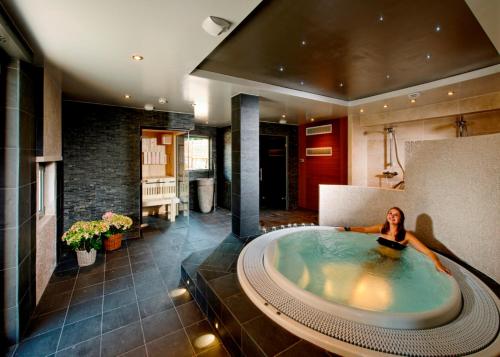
(101, 152)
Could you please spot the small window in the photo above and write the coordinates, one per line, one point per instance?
(41, 189)
(197, 153)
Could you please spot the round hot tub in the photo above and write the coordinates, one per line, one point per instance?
(351, 275)
(348, 294)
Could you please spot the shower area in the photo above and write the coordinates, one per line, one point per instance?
(386, 145)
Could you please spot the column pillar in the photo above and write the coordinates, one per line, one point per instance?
(245, 165)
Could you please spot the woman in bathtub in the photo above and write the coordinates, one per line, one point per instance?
(394, 235)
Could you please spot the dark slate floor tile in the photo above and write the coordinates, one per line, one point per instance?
(136, 352)
(155, 304)
(116, 254)
(84, 310)
(64, 275)
(59, 287)
(44, 344)
(120, 317)
(97, 267)
(89, 348)
(200, 335)
(123, 283)
(160, 324)
(217, 351)
(190, 313)
(118, 299)
(152, 275)
(52, 303)
(144, 256)
(117, 262)
(88, 293)
(148, 289)
(304, 349)
(122, 340)
(144, 266)
(80, 331)
(118, 272)
(173, 345)
(85, 280)
(270, 337)
(46, 322)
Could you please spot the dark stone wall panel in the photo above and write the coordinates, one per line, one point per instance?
(101, 151)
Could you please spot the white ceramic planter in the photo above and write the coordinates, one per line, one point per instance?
(206, 194)
(85, 258)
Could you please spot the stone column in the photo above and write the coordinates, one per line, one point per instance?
(245, 165)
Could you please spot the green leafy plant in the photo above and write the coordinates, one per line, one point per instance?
(85, 235)
(117, 223)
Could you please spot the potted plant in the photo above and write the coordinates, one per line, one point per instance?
(85, 239)
(118, 224)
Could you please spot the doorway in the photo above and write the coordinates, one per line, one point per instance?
(273, 172)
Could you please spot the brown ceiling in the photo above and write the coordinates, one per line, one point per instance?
(347, 43)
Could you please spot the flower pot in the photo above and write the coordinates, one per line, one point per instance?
(86, 258)
(113, 242)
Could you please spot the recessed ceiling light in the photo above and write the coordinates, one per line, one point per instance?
(303, 43)
(193, 104)
(281, 68)
(385, 106)
(341, 84)
(413, 101)
(387, 76)
(312, 119)
(301, 83)
(381, 18)
(428, 56)
(162, 100)
(283, 115)
(450, 93)
(437, 28)
(361, 110)
(137, 57)
(127, 96)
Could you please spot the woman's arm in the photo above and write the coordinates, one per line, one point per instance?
(418, 245)
(371, 229)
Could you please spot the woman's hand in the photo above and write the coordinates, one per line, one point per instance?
(440, 267)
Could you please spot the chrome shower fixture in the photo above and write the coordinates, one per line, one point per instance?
(461, 127)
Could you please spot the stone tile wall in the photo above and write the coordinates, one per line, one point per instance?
(101, 151)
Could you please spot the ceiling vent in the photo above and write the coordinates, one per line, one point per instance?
(215, 25)
(318, 130)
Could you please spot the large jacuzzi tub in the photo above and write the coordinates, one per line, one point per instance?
(347, 294)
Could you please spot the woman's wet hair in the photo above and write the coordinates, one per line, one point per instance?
(400, 236)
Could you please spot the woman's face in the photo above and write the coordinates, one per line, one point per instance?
(393, 216)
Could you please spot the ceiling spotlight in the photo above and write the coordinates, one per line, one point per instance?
(303, 43)
(283, 115)
(301, 83)
(137, 57)
(312, 119)
(361, 110)
(437, 28)
(387, 76)
(215, 25)
(413, 101)
(450, 93)
(162, 100)
(341, 84)
(127, 96)
(386, 106)
(281, 68)
(428, 56)
(381, 18)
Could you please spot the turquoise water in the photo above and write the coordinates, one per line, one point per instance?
(353, 269)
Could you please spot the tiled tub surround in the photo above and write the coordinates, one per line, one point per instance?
(211, 278)
(122, 304)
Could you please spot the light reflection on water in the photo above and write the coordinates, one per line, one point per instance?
(353, 269)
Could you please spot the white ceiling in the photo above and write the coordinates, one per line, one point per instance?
(92, 42)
